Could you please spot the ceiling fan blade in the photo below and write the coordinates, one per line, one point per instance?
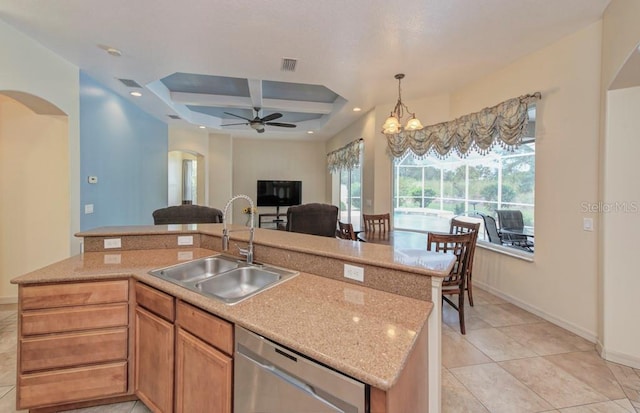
(234, 124)
(272, 116)
(282, 125)
(238, 116)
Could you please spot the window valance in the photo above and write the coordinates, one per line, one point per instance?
(347, 157)
(503, 124)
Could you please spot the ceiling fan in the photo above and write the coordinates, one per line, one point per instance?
(259, 123)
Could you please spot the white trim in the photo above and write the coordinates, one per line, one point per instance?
(586, 334)
(620, 358)
(435, 347)
(511, 252)
(8, 300)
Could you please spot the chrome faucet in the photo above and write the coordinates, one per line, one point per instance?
(225, 233)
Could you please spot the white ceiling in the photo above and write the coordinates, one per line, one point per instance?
(352, 48)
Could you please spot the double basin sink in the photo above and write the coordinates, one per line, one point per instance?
(227, 279)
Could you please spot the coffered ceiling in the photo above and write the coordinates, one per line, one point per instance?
(194, 60)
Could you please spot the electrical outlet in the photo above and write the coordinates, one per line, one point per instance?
(587, 224)
(354, 273)
(185, 240)
(112, 243)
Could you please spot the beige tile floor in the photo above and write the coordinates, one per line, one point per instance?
(509, 361)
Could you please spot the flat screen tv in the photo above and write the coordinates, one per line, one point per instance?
(279, 193)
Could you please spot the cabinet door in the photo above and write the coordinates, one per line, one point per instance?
(203, 376)
(154, 361)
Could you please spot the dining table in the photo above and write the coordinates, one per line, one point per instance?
(395, 238)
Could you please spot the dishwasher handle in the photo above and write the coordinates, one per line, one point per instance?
(304, 387)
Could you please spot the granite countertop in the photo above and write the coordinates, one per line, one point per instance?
(339, 324)
(417, 261)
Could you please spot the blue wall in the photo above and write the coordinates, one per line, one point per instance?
(126, 148)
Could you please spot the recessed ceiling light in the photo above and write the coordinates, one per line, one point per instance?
(202, 127)
(136, 94)
(357, 109)
(310, 132)
(114, 52)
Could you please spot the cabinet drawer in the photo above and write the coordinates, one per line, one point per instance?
(75, 349)
(70, 385)
(67, 319)
(209, 328)
(156, 301)
(66, 295)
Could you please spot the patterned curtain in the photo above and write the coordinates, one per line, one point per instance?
(502, 124)
(347, 157)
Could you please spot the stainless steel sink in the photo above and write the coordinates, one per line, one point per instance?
(197, 269)
(238, 284)
(224, 278)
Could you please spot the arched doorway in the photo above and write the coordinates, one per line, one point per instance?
(186, 183)
(34, 183)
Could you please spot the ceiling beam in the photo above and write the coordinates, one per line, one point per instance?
(202, 99)
(255, 91)
(225, 101)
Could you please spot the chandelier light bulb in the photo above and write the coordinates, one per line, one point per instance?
(414, 124)
(392, 125)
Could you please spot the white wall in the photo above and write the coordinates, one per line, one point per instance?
(30, 68)
(561, 283)
(619, 332)
(620, 211)
(34, 183)
(220, 169)
(255, 159)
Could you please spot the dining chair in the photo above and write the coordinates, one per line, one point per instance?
(376, 222)
(186, 214)
(345, 231)
(458, 245)
(458, 226)
(313, 218)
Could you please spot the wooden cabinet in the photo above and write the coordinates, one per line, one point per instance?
(194, 372)
(72, 342)
(154, 348)
(203, 376)
(154, 361)
(204, 367)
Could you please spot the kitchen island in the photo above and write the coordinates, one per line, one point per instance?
(375, 331)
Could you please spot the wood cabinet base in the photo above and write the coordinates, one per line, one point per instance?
(84, 404)
(69, 385)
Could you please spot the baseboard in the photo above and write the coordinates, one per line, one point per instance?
(620, 358)
(8, 300)
(587, 335)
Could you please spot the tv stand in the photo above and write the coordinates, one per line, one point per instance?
(275, 221)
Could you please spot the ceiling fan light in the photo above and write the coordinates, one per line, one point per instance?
(414, 124)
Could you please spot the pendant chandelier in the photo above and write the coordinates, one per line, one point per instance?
(393, 125)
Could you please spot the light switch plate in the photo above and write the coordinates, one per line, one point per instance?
(112, 243)
(185, 240)
(587, 224)
(88, 209)
(353, 272)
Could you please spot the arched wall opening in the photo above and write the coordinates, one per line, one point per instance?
(186, 178)
(34, 183)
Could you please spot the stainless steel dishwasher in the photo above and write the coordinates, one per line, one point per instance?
(272, 379)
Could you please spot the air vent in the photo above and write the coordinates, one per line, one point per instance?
(288, 65)
(174, 116)
(130, 83)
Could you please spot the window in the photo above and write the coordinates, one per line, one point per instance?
(429, 191)
(351, 195)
